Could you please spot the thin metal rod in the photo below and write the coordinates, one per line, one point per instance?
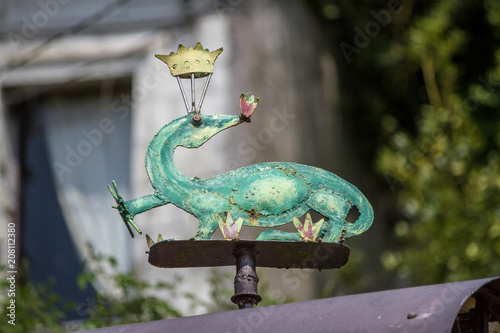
(193, 95)
(183, 94)
(204, 92)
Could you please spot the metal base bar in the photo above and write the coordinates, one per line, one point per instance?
(214, 253)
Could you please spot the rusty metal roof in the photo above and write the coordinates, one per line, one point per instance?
(433, 308)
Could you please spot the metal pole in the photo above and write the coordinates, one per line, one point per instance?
(193, 95)
(246, 280)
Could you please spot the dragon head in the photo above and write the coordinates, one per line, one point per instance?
(198, 129)
(195, 129)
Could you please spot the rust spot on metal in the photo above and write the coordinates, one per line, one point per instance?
(254, 214)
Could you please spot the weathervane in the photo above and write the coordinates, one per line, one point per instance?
(259, 195)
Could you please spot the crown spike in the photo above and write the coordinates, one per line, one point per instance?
(198, 46)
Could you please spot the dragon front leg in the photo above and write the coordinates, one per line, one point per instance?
(128, 209)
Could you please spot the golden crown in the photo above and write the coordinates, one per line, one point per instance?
(195, 61)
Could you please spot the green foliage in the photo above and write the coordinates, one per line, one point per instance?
(447, 171)
(39, 309)
(424, 90)
(126, 299)
(31, 304)
(222, 288)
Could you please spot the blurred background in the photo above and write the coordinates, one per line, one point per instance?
(400, 98)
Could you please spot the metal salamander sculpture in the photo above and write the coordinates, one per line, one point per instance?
(260, 195)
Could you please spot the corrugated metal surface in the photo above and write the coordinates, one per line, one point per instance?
(419, 309)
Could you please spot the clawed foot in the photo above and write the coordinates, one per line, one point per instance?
(123, 210)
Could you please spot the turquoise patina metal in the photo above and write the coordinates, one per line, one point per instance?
(263, 195)
(260, 195)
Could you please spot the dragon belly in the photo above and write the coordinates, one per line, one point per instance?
(272, 194)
